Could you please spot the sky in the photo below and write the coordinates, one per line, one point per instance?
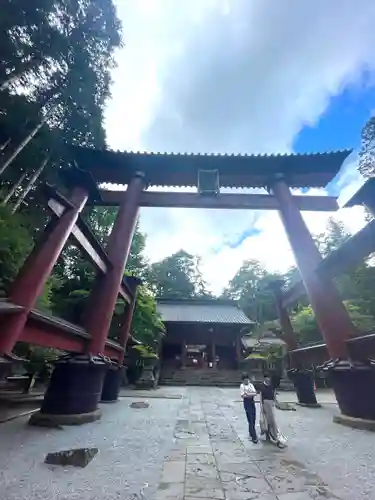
(242, 76)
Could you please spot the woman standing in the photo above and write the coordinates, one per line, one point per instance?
(248, 393)
(268, 420)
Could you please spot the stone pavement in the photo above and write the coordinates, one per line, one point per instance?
(213, 458)
(190, 444)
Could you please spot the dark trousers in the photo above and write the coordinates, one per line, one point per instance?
(249, 406)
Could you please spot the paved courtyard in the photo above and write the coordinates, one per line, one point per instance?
(191, 443)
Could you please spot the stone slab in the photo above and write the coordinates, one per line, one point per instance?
(173, 472)
(281, 405)
(170, 491)
(199, 449)
(201, 470)
(201, 458)
(140, 405)
(79, 457)
(247, 488)
(204, 488)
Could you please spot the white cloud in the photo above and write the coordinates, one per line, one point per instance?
(232, 76)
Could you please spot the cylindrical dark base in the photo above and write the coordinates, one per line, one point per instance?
(304, 384)
(112, 384)
(76, 386)
(354, 386)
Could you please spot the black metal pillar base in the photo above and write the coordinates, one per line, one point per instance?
(112, 384)
(354, 385)
(75, 389)
(304, 384)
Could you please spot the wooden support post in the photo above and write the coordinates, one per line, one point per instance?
(213, 351)
(103, 298)
(289, 335)
(238, 348)
(133, 283)
(330, 312)
(183, 354)
(30, 281)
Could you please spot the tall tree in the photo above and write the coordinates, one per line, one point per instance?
(178, 276)
(250, 286)
(367, 151)
(57, 57)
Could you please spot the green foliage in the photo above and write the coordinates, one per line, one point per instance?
(147, 326)
(307, 330)
(15, 245)
(250, 287)
(178, 276)
(144, 351)
(39, 359)
(333, 237)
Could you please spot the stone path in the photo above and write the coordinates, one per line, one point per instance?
(190, 444)
(211, 461)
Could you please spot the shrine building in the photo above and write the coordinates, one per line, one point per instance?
(203, 337)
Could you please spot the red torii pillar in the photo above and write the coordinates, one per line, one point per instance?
(103, 298)
(330, 312)
(36, 270)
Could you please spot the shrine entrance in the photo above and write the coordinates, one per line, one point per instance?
(202, 335)
(86, 371)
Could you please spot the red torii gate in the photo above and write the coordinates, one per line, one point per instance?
(356, 376)
(277, 173)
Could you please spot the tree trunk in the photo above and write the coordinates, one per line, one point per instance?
(14, 152)
(30, 184)
(14, 188)
(15, 75)
(5, 144)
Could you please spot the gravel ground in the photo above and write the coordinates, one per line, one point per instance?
(132, 445)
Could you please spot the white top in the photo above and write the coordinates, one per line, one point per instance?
(247, 390)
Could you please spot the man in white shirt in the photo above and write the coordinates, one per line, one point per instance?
(248, 393)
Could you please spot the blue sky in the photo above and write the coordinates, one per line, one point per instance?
(339, 127)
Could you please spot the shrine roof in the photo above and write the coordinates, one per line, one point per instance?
(214, 311)
(235, 171)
